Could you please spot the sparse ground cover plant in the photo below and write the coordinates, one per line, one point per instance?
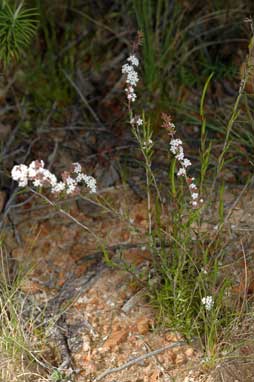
(21, 327)
(185, 281)
(192, 294)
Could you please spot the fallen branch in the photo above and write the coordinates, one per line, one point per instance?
(137, 360)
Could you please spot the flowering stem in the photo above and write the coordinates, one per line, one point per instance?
(63, 212)
(172, 177)
(148, 188)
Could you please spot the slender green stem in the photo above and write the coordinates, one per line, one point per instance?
(63, 212)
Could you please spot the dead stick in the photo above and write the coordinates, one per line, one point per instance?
(137, 360)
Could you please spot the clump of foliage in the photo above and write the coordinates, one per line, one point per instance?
(18, 26)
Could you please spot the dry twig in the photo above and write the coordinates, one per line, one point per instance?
(138, 359)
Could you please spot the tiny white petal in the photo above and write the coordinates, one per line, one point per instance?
(194, 195)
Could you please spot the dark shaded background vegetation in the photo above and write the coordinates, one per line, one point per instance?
(69, 77)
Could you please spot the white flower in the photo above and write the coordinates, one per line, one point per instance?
(176, 145)
(194, 204)
(34, 167)
(52, 179)
(177, 149)
(32, 172)
(139, 122)
(70, 189)
(80, 178)
(71, 185)
(181, 172)
(23, 182)
(186, 162)
(47, 176)
(192, 186)
(77, 167)
(20, 174)
(207, 302)
(19, 171)
(90, 182)
(130, 89)
(147, 144)
(180, 155)
(126, 68)
(59, 187)
(133, 60)
(38, 183)
(132, 78)
(136, 120)
(130, 93)
(131, 96)
(194, 195)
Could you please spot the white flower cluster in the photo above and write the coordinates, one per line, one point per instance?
(41, 177)
(136, 121)
(207, 302)
(132, 77)
(196, 200)
(177, 150)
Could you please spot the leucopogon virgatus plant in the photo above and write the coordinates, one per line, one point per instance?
(186, 290)
(187, 294)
